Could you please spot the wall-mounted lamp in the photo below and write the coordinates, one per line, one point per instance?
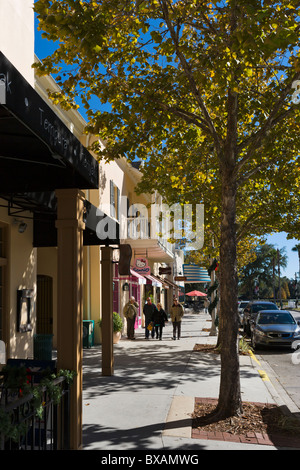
(126, 286)
(22, 226)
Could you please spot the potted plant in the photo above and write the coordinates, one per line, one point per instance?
(117, 327)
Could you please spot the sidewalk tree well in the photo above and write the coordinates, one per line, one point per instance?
(189, 86)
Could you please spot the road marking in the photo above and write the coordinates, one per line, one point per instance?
(253, 357)
(263, 375)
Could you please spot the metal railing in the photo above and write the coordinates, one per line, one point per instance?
(25, 429)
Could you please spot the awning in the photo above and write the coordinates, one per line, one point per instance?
(140, 278)
(165, 285)
(195, 274)
(158, 280)
(171, 283)
(153, 280)
(37, 152)
(45, 233)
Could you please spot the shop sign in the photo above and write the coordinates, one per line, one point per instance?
(141, 266)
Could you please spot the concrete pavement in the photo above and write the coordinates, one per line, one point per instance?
(147, 403)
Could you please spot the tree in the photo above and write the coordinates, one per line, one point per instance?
(207, 84)
(297, 249)
(260, 271)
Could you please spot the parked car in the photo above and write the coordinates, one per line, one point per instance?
(241, 306)
(251, 311)
(274, 328)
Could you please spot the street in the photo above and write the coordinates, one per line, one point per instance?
(285, 365)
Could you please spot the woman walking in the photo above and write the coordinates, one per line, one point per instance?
(159, 319)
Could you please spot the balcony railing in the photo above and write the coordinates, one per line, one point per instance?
(23, 428)
(140, 228)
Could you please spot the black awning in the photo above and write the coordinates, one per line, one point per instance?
(37, 151)
(100, 229)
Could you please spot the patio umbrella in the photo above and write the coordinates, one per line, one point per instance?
(196, 293)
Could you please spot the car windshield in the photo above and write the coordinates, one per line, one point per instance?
(258, 307)
(275, 318)
(243, 304)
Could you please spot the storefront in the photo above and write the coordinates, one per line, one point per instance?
(125, 287)
(44, 171)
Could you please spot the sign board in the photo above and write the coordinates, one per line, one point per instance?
(180, 278)
(165, 270)
(141, 266)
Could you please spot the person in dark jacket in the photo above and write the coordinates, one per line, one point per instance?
(159, 319)
(148, 310)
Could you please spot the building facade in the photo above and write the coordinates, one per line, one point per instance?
(59, 264)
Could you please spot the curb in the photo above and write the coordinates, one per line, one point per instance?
(181, 411)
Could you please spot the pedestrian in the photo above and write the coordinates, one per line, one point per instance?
(176, 314)
(130, 312)
(159, 319)
(206, 304)
(149, 309)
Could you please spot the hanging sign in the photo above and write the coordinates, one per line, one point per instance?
(141, 266)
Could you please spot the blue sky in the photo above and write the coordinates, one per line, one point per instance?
(279, 240)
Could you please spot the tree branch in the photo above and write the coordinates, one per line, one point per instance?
(274, 118)
(189, 75)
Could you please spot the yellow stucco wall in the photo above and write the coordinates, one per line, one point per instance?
(20, 273)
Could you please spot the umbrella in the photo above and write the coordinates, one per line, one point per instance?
(196, 293)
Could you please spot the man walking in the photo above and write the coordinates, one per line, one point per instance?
(130, 313)
(176, 315)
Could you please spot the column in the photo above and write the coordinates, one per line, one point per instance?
(70, 226)
(107, 310)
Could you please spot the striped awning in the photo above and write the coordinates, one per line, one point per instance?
(195, 273)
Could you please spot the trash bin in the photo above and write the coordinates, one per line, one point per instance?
(88, 333)
(42, 347)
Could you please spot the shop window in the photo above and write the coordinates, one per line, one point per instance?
(24, 310)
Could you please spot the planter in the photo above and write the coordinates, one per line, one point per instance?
(116, 336)
(117, 326)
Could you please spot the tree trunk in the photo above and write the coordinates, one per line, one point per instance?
(229, 403)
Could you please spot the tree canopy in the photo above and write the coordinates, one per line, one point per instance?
(206, 92)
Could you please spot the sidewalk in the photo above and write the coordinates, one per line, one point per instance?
(148, 401)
